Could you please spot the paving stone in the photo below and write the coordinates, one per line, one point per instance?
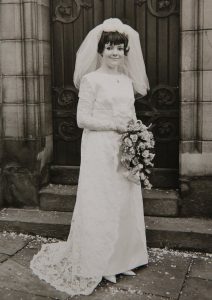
(3, 257)
(10, 245)
(19, 278)
(7, 294)
(111, 292)
(197, 289)
(24, 256)
(163, 276)
(201, 268)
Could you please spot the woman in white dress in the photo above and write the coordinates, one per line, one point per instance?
(107, 235)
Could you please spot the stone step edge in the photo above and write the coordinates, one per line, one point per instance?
(60, 189)
(36, 222)
(178, 233)
(61, 167)
(63, 197)
(34, 215)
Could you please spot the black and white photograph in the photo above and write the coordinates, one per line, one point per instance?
(106, 149)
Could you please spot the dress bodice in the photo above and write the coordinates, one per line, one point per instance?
(103, 97)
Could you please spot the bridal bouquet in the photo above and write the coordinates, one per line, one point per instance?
(136, 153)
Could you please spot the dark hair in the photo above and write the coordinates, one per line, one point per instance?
(114, 38)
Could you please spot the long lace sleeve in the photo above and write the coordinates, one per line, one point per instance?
(85, 118)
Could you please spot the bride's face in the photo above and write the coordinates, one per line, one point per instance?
(113, 55)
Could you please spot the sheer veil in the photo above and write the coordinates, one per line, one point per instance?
(88, 59)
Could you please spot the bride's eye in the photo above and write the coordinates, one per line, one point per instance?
(108, 47)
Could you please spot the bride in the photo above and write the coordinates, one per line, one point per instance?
(107, 235)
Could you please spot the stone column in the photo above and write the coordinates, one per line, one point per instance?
(25, 68)
(1, 141)
(196, 106)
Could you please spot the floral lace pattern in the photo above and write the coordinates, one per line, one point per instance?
(57, 267)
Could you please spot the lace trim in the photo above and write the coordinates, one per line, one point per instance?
(65, 277)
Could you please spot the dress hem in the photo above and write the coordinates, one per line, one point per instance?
(130, 268)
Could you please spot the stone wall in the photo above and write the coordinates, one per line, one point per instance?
(196, 104)
(25, 106)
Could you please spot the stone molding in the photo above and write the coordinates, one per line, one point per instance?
(195, 83)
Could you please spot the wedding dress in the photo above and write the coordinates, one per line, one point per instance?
(107, 234)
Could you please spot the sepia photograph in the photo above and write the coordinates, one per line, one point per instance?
(106, 149)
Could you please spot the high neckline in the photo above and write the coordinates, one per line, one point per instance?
(111, 74)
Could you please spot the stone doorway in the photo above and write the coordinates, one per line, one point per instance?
(158, 25)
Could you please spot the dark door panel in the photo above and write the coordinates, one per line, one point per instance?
(157, 22)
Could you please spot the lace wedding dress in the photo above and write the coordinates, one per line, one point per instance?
(107, 234)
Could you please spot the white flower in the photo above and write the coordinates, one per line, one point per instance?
(152, 143)
(132, 151)
(141, 146)
(113, 24)
(144, 135)
(139, 125)
(146, 181)
(128, 142)
(140, 166)
(145, 153)
(134, 137)
(148, 186)
(147, 162)
(150, 135)
(148, 171)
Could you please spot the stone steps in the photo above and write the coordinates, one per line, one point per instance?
(64, 174)
(157, 202)
(36, 222)
(177, 233)
(58, 197)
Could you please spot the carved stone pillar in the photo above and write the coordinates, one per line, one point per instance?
(25, 105)
(196, 101)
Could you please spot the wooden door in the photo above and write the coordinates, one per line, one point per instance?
(157, 22)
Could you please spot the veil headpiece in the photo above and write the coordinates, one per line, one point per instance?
(88, 59)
